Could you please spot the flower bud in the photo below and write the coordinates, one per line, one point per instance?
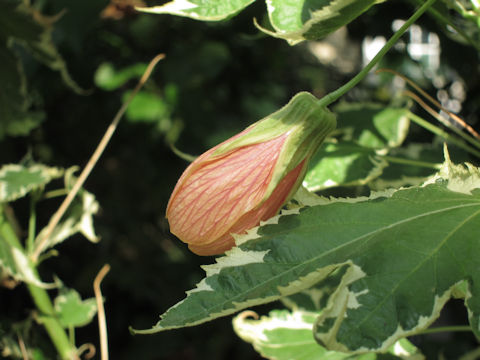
(247, 178)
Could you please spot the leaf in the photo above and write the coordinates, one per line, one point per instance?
(342, 164)
(72, 311)
(458, 20)
(405, 253)
(397, 175)
(285, 335)
(213, 10)
(13, 260)
(18, 180)
(14, 103)
(33, 31)
(146, 107)
(373, 125)
(77, 219)
(296, 21)
(107, 78)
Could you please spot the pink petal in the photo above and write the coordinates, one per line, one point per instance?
(215, 193)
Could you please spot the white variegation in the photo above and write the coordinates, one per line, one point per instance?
(236, 257)
(206, 10)
(463, 178)
(23, 270)
(337, 311)
(14, 184)
(254, 330)
(330, 10)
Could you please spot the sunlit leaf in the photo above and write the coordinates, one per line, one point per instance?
(213, 10)
(17, 180)
(373, 125)
(285, 335)
(342, 164)
(72, 311)
(312, 20)
(430, 233)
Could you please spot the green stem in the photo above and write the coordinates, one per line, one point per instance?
(424, 164)
(437, 131)
(32, 221)
(41, 299)
(441, 18)
(333, 96)
(445, 329)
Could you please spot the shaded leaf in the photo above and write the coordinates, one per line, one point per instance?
(213, 10)
(16, 119)
(342, 164)
(296, 21)
(108, 78)
(72, 311)
(373, 125)
(33, 31)
(17, 180)
(430, 232)
(285, 335)
(396, 175)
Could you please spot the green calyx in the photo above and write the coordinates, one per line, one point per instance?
(307, 124)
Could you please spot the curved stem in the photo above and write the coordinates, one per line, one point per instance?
(333, 96)
(42, 243)
(445, 329)
(411, 162)
(437, 131)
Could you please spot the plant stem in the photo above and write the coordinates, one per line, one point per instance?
(445, 329)
(441, 18)
(65, 349)
(437, 131)
(411, 162)
(42, 242)
(333, 96)
(32, 223)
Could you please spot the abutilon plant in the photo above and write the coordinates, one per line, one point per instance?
(247, 178)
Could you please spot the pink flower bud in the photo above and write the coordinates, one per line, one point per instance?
(247, 178)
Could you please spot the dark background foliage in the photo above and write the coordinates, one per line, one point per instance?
(220, 77)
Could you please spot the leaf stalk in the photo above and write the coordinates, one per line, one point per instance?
(333, 96)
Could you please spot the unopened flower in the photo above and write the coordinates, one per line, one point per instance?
(247, 178)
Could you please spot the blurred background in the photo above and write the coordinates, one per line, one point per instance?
(216, 79)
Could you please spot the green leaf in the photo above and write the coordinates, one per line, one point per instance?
(72, 311)
(373, 125)
(77, 219)
(107, 78)
(404, 252)
(146, 107)
(207, 10)
(296, 21)
(28, 27)
(285, 335)
(13, 260)
(17, 180)
(342, 164)
(397, 175)
(14, 103)
(22, 25)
